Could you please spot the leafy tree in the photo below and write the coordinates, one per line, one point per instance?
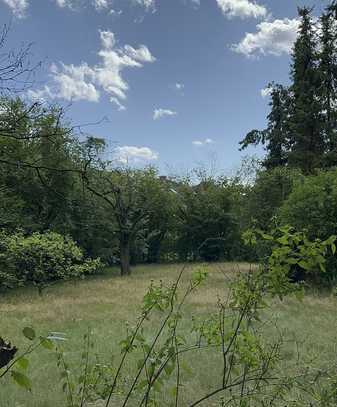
(132, 196)
(267, 195)
(204, 221)
(36, 165)
(161, 220)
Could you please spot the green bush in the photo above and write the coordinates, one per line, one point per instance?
(291, 257)
(312, 206)
(41, 258)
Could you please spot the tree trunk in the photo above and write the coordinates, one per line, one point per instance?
(125, 256)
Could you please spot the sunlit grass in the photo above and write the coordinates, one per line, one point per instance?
(105, 303)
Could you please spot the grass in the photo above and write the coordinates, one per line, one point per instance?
(105, 303)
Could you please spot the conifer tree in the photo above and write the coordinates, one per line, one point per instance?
(276, 136)
(328, 80)
(305, 121)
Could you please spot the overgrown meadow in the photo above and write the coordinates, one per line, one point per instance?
(121, 286)
(99, 305)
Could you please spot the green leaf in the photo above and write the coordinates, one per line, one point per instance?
(29, 333)
(140, 363)
(169, 368)
(46, 343)
(21, 379)
(303, 264)
(23, 363)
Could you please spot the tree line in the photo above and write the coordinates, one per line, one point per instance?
(56, 178)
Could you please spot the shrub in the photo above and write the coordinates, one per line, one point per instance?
(267, 195)
(312, 206)
(291, 257)
(41, 258)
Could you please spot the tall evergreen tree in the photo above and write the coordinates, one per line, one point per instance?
(332, 9)
(328, 80)
(307, 140)
(276, 136)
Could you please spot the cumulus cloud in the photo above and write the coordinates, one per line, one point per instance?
(160, 113)
(85, 82)
(201, 143)
(272, 38)
(18, 7)
(135, 155)
(241, 8)
(70, 82)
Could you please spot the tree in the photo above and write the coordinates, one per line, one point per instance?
(15, 67)
(161, 220)
(301, 130)
(36, 163)
(312, 206)
(131, 195)
(204, 221)
(328, 89)
(276, 136)
(267, 195)
(305, 121)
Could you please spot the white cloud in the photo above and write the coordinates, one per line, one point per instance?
(119, 105)
(85, 82)
(113, 12)
(18, 7)
(135, 155)
(108, 39)
(160, 113)
(149, 5)
(241, 8)
(201, 143)
(266, 92)
(179, 86)
(65, 3)
(272, 38)
(142, 54)
(70, 82)
(101, 4)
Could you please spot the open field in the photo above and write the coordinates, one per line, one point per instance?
(104, 304)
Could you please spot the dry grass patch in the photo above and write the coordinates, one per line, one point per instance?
(104, 304)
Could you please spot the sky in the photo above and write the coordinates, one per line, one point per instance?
(173, 83)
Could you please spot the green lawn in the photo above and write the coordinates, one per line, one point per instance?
(104, 304)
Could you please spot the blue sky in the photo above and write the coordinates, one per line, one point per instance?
(178, 81)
